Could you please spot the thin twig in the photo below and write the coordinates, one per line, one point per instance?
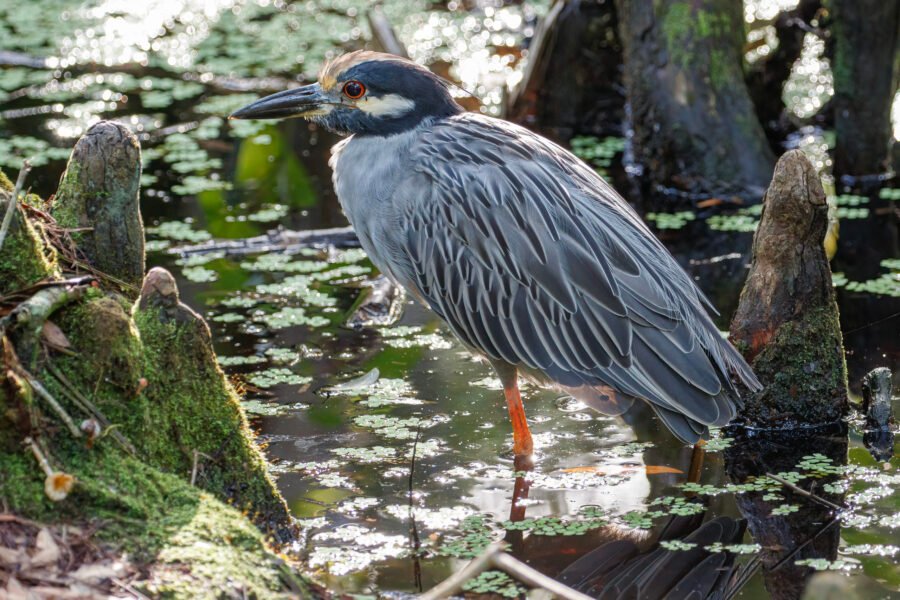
(39, 455)
(77, 398)
(494, 557)
(797, 550)
(129, 588)
(194, 468)
(13, 201)
(799, 490)
(454, 583)
(535, 578)
(56, 406)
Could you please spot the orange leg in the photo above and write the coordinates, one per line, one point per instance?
(522, 444)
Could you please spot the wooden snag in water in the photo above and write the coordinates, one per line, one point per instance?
(787, 323)
(98, 196)
(694, 124)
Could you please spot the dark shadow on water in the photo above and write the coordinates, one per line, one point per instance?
(813, 530)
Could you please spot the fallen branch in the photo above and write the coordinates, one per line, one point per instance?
(384, 34)
(13, 202)
(494, 557)
(276, 240)
(30, 315)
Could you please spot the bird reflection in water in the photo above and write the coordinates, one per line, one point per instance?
(613, 562)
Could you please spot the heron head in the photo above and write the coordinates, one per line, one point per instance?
(363, 92)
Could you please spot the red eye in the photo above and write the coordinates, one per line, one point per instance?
(354, 90)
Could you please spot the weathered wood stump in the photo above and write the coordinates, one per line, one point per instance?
(787, 322)
(98, 196)
(866, 70)
(694, 124)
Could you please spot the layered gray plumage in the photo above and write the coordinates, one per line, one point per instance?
(526, 253)
(535, 261)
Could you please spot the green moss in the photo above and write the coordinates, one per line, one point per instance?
(189, 406)
(5, 184)
(187, 411)
(195, 546)
(687, 32)
(805, 366)
(192, 544)
(25, 258)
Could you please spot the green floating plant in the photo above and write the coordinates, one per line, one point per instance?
(495, 582)
(236, 361)
(889, 194)
(475, 534)
(199, 274)
(823, 564)
(677, 220)
(676, 545)
(277, 376)
(181, 231)
(784, 509)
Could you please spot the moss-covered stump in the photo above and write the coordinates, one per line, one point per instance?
(154, 374)
(98, 196)
(787, 322)
(24, 258)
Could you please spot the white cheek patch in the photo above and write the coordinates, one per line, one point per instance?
(390, 105)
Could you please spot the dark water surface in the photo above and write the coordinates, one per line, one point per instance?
(341, 412)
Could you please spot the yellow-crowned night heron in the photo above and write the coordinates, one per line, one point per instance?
(530, 257)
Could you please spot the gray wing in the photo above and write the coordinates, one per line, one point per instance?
(533, 259)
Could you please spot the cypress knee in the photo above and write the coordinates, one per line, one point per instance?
(787, 323)
(99, 195)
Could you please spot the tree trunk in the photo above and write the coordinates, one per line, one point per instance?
(573, 81)
(787, 321)
(694, 124)
(865, 79)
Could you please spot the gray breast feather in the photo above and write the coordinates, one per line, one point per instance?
(533, 259)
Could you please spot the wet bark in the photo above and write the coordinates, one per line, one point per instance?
(98, 197)
(695, 128)
(866, 68)
(573, 81)
(787, 321)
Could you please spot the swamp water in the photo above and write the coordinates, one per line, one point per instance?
(392, 445)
